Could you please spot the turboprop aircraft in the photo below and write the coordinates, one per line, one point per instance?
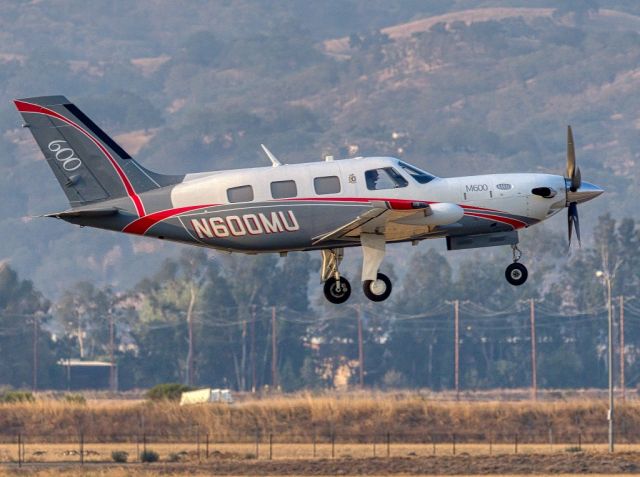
(326, 205)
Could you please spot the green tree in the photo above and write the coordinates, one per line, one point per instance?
(23, 310)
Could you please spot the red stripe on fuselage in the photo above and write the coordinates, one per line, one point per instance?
(141, 225)
(397, 204)
(24, 107)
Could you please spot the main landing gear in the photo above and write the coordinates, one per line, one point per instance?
(516, 273)
(378, 289)
(375, 285)
(337, 289)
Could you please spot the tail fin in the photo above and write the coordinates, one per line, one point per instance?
(89, 165)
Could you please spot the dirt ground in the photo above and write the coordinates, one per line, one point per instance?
(465, 464)
(43, 453)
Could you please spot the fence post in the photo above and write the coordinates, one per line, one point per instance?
(81, 448)
(550, 438)
(490, 445)
(257, 443)
(374, 446)
(516, 444)
(453, 441)
(388, 444)
(206, 446)
(314, 443)
(138, 447)
(270, 446)
(580, 441)
(433, 443)
(198, 443)
(333, 445)
(19, 450)
(144, 443)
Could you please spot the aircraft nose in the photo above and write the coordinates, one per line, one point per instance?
(585, 192)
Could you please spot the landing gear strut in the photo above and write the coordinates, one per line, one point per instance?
(375, 285)
(337, 289)
(516, 273)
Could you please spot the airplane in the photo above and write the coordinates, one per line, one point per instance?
(325, 205)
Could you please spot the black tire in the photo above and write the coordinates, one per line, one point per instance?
(334, 295)
(374, 294)
(516, 274)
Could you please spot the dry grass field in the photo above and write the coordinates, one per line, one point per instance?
(359, 418)
(353, 434)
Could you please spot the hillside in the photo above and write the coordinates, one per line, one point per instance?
(461, 89)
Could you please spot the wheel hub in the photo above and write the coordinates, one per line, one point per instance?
(378, 287)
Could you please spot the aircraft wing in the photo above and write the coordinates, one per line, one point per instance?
(396, 221)
(353, 226)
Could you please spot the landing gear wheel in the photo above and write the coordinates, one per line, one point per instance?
(377, 290)
(516, 274)
(337, 293)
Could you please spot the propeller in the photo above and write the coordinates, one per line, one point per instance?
(574, 181)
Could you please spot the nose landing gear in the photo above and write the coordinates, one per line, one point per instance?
(516, 273)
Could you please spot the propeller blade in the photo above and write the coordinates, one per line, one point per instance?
(576, 180)
(573, 221)
(571, 154)
(573, 171)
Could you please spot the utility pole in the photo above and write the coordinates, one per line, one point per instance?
(253, 348)
(360, 347)
(610, 316)
(274, 350)
(35, 351)
(534, 366)
(112, 369)
(607, 274)
(243, 360)
(456, 348)
(622, 360)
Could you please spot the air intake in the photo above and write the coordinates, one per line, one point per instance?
(546, 192)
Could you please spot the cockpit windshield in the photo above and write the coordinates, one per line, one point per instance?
(420, 176)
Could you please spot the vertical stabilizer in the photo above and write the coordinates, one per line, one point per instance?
(89, 165)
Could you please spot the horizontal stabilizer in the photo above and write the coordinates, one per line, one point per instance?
(102, 212)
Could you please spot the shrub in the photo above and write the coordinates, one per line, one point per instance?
(75, 398)
(167, 392)
(176, 456)
(573, 449)
(149, 456)
(17, 396)
(120, 456)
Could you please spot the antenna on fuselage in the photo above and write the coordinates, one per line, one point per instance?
(274, 160)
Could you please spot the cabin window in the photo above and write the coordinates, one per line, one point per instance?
(326, 185)
(240, 194)
(384, 178)
(283, 189)
(420, 176)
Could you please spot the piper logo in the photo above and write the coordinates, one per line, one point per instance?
(247, 224)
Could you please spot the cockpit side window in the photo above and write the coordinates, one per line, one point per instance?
(384, 178)
(420, 176)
